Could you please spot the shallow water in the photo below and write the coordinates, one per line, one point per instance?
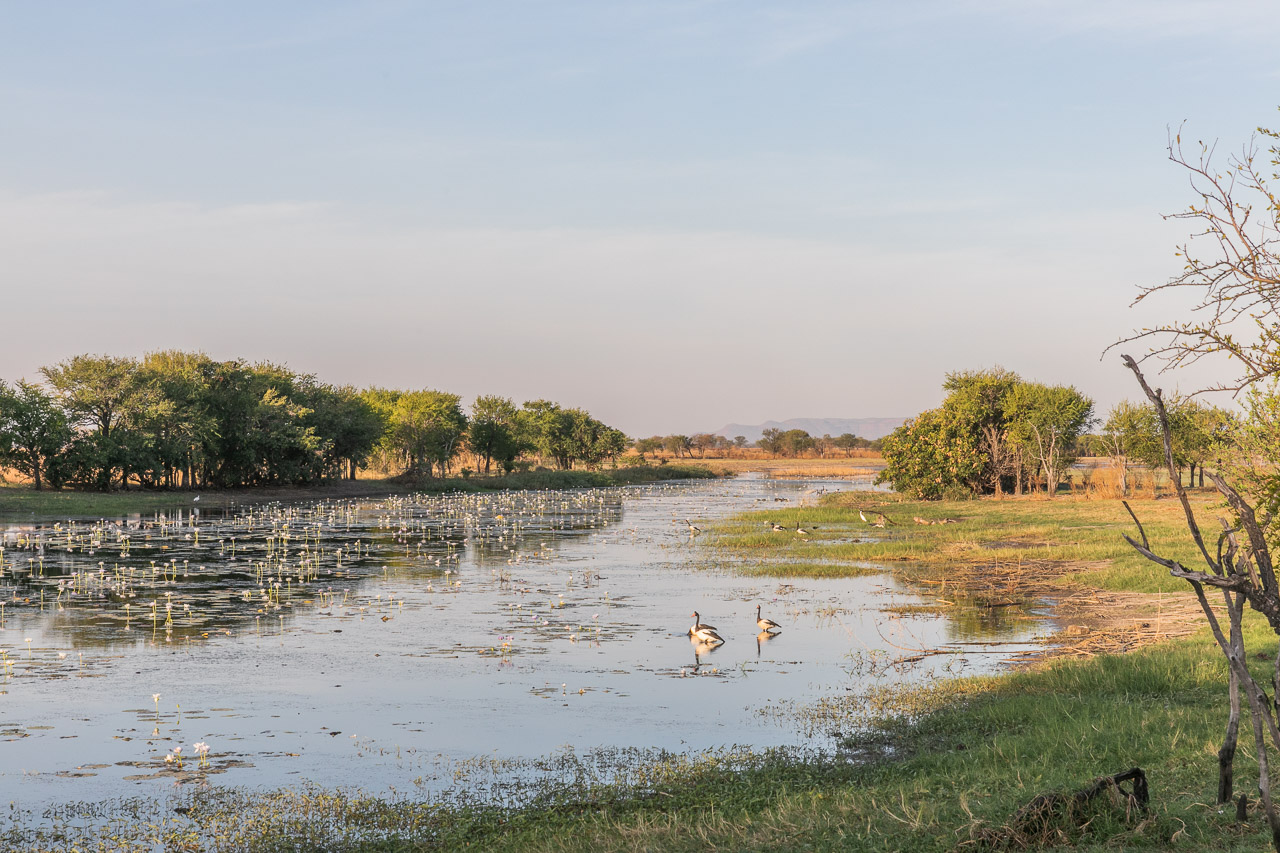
(391, 644)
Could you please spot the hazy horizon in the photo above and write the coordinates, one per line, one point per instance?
(673, 215)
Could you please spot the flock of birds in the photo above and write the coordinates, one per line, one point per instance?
(709, 634)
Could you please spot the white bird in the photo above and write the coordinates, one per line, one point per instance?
(765, 624)
(196, 499)
(693, 528)
(778, 528)
(706, 635)
(698, 625)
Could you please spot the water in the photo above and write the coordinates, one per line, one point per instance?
(390, 644)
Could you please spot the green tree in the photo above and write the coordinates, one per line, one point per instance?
(1046, 421)
(494, 431)
(978, 399)
(548, 430)
(427, 428)
(932, 456)
(795, 442)
(98, 393)
(771, 441)
(1130, 432)
(648, 445)
(33, 429)
(678, 445)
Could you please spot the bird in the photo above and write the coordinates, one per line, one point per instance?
(778, 528)
(693, 528)
(698, 626)
(880, 519)
(765, 624)
(800, 531)
(706, 635)
(196, 499)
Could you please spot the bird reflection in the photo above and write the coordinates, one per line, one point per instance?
(762, 638)
(702, 648)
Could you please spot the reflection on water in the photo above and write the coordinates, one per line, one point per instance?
(381, 643)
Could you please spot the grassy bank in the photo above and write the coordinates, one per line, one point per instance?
(955, 767)
(942, 769)
(21, 503)
(1078, 540)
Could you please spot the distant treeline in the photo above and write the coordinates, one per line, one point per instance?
(792, 442)
(178, 419)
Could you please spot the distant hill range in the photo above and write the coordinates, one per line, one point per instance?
(817, 427)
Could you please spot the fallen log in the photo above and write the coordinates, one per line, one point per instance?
(1050, 817)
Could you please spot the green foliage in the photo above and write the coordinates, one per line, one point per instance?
(182, 420)
(425, 429)
(33, 429)
(992, 428)
(1045, 421)
(494, 432)
(771, 441)
(567, 436)
(930, 455)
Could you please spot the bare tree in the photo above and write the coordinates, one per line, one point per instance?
(1245, 573)
(1231, 265)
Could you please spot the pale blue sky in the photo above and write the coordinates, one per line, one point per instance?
(673, 214)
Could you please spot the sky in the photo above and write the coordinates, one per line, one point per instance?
(673, 214)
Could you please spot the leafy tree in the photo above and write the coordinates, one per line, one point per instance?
(932, 456)
(739, 441)
(678, 445)
(979, 399)
(548, 429)
(33, 429)
(648, 445)
(98, 393)
(494, 431)
(702, 442)
(426, 428)
(771, 441)
(795, 442)
(1046, 421)
(1130, 431)
(345, 422)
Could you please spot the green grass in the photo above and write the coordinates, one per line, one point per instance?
(1086, 534)
(958, 759)
(932, 769)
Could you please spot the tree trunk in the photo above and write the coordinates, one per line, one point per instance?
(1227, 754)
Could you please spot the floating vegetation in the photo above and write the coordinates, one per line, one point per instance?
(344, 641)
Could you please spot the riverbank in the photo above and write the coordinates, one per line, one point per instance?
(997, 554)
(936, 770)
(19, 503)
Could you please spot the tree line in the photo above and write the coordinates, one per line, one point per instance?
(996, 433)
(178, 419)
(794, 442)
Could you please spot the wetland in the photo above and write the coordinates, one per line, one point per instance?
(472, 646)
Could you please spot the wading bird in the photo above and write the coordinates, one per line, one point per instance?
(699, 627)
(693, 528)
(765, 624)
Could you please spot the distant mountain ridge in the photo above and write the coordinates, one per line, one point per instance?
(817, 427)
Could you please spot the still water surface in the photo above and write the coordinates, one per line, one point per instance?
(384, 644)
